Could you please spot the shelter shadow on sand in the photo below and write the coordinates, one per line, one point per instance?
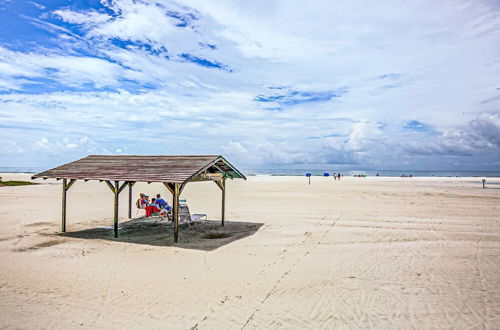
(205, 235)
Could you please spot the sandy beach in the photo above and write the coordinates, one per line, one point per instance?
(362, 253)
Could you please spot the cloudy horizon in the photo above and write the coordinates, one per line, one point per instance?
(386, 85)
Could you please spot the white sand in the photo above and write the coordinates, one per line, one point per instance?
(375, 253)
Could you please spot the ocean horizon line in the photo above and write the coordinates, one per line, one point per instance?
(320, 172)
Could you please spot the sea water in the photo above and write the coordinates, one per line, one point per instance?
(390, 173)
(319, 172)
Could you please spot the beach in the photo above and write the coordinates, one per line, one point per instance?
(362, 253)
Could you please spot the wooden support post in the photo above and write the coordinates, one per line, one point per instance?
(130, 185)
(222, 185)
(116, 189)
(223, 212)
(117, 183)
(63, 225)
(175, 219)
(65, 187)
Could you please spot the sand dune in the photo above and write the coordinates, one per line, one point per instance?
(377, 253)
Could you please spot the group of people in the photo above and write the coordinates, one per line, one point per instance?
(154, 206)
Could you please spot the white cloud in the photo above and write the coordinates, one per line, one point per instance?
(10, 148)
(362, 134)
(480, 136)
(72, 71)
(88, 18)
(36, 4)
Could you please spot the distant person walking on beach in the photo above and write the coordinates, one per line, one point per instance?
(338, 176)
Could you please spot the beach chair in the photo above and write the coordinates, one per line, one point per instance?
(186, 217)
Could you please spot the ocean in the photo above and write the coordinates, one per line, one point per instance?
(316, 172)
(389, 173)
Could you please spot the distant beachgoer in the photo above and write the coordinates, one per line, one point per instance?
(338, 176)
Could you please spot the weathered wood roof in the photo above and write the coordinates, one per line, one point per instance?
(174, 169)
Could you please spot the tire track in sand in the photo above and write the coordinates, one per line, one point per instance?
(285, 274)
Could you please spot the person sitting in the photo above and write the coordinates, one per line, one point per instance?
(141, 203)
(152, 208)
(163, 205)
(154, 203)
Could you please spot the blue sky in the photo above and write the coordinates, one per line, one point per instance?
(361, 85)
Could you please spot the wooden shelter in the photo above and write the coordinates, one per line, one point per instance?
(118, 172)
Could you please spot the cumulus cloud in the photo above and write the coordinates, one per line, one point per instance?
(82, 145)
(267, 153)
(10, 148)
(480, 136)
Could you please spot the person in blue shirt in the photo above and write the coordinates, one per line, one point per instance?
(163, 206)
(154, 203)
(162, 203)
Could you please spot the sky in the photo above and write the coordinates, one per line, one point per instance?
(268, 84)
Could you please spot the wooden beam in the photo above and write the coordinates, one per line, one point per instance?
(110, 185)
(71, 182)
(130, 185)
(228, 164)
(175, 212)
(207, 177)
(170, 187)
(224, 173)
(219, 184)
(124, 185)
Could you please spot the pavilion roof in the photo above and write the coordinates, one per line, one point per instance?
(168, 169)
